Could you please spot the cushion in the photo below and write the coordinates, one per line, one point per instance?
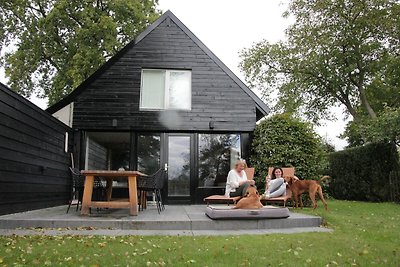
(267, 212)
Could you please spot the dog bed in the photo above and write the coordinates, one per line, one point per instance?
(268, 212)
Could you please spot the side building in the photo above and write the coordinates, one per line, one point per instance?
(34, 156)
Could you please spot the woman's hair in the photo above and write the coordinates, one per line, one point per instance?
(273, 176)
(240, 161)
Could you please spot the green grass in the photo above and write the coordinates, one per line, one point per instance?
(365, 234)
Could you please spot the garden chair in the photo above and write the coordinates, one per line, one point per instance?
(78, 182)
(153, 183)
(288, 171)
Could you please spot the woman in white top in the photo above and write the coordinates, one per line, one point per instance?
(237, 183)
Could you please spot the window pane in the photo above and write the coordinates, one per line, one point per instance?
(153, 89)
(180, 94)
(108, 151)
(217, 156)
(148, 153)
(179, 166)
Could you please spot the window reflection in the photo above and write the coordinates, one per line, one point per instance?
(179, 166)
(108, 151)
(217, 156)
(148, 153)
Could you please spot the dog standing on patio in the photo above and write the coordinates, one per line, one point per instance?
(298, 187)
(250, 201)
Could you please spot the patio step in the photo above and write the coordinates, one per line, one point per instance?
(182, 218)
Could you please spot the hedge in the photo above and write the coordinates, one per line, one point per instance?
(367, 173)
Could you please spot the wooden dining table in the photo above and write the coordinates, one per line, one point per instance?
(110, 176)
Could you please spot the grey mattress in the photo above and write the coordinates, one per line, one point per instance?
(268, 212)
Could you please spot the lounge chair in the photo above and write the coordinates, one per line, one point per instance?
(288, 171)
(228, 200)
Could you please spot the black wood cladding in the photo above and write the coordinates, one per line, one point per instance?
(33, 163)
(115, 93)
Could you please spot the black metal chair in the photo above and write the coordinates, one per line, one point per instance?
(153, 183)
(78, 183)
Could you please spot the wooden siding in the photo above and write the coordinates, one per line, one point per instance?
(33, 164)
(115, 92)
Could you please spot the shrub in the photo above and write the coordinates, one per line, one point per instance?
(286, 141)
(368, 173)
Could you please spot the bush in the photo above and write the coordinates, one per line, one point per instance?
(286, 142)
(368, 173)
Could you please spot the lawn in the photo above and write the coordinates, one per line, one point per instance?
(365, 234)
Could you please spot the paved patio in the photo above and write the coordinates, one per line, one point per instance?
(175, 220)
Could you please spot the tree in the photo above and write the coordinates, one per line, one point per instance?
(384, 129)
(59, 43)
(337, 52)
(283, 140)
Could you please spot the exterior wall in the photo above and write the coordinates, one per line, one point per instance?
(115, 93)
(33, 162)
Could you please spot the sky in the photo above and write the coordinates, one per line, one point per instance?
(226, 27)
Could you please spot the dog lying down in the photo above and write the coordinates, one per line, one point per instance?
(250, 201)
(298, 187)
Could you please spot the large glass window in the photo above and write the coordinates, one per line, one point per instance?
(217, 156)
(148, 153)
(166, 89)
(179, 166)
(107, 151)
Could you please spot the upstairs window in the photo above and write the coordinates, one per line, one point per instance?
(166, 89)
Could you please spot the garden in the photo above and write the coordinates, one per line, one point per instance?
(364, 234)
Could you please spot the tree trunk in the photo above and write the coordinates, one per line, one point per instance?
(365, 103)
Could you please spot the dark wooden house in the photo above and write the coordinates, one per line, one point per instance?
(34, 156)
(164, 101)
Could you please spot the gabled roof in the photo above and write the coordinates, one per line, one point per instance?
(262, 108)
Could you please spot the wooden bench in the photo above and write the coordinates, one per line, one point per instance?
(228, 200)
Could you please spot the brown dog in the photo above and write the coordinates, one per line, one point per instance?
(299, 187)
(250, 201)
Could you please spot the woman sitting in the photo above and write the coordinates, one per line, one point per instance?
(275, 185)
(237, 183)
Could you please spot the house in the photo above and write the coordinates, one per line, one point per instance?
(164, 101)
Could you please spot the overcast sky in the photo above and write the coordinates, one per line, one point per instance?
(226, 27)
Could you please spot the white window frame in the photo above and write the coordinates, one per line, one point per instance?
(166, 89)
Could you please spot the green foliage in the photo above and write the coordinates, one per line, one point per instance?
(283, 140)
(336, 52)
(369, 172)
(365, 234)
(386, 128)
(59, 43)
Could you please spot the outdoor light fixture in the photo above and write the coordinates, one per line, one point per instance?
(114, 122)
(211, 125)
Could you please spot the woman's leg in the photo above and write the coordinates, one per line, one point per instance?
(240, 191)
(275, 184)
(279, 192)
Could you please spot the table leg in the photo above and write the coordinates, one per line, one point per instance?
(109, 188)
(87, 195)
(133, 198)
